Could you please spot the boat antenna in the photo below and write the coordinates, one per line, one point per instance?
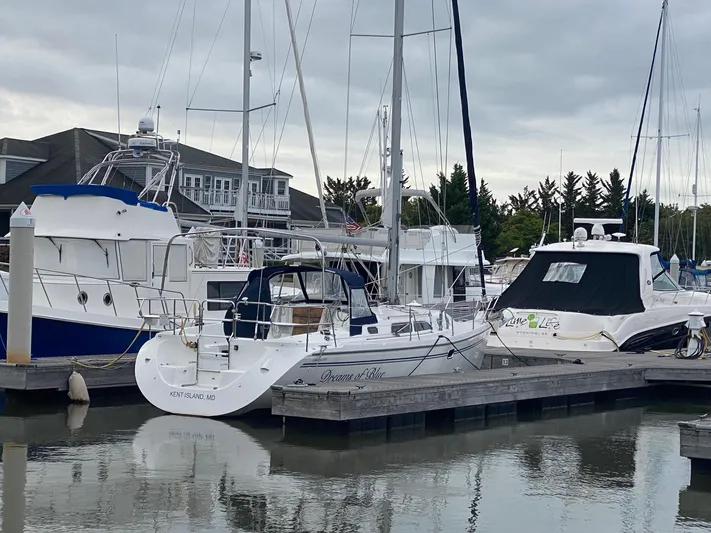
(641, 122)
(471, 176)
(118, 99)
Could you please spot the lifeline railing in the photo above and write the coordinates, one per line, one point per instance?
(79, 278)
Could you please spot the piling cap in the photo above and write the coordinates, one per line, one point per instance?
(22, 217)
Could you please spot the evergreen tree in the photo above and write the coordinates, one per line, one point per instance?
(613, 194)
(452, 197)
(590, 201)
(490, 219)
(525, 201)
(571, 202)
(547, 201)
(342, 192)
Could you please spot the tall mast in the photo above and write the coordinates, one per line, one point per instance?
(468, 146)
(241, 210)
(307, 115)
(560, 196)
(396, 154)
(658, 188)
(696, 178)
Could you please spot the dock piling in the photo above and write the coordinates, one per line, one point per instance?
(19, 307)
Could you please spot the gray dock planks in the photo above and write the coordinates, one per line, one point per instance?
(52, 373)
(602, 371)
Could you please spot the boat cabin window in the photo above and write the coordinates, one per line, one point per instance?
(399, 328)
(133, 260)
(222, 290)
(359, 304)
(474, 278)
(178, 263)
(565, 272)
(308, 287)
(84, 257)
(661, 281)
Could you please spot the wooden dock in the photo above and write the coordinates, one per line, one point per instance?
(554, 382)
(695, 443)
(51, 374)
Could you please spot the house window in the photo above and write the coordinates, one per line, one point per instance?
(254, 187)
(222, 290)
(281, 188)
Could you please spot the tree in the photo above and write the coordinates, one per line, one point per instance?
(547, 201)
(571, 202)
(343, 192)
(522, 230)
(452, 196)
(490, 219)
(525, 201)
(613, 194)
(590, 201)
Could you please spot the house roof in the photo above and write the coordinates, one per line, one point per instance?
(71, 154)
(194, 157)
(306, 208)
(21, 148)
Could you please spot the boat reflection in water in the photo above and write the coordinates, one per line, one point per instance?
(124, 469)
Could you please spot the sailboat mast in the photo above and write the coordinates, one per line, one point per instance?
(241, 210)
(696, 178)
(396, 154)
(468, 146)
(307, 115)
(658, 188)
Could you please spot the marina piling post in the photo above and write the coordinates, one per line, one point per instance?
(19, 306)
(674, 268)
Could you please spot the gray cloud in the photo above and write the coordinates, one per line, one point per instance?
(542, 76)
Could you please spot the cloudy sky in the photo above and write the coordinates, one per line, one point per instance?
(543, 75)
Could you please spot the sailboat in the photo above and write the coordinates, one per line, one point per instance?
(308, 324)
(599, 294)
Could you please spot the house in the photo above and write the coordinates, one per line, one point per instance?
(207, 191)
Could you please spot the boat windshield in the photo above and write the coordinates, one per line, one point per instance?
(661, 281)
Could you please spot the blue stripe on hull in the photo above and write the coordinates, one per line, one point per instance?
(58, 338)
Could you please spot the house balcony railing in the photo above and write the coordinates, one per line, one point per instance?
(216, 200)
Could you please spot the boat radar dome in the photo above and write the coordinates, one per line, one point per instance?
(146, 125)
(598, 232)
(580, 235)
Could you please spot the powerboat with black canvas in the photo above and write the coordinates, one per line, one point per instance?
(300, 324)
(598, 295)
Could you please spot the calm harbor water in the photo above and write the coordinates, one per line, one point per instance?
(130, 468)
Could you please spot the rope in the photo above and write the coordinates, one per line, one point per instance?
(526, 363)
(700, 349)
(75, 361)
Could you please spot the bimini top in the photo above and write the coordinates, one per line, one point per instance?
(604, 284)
(310, 285)
(106, 191)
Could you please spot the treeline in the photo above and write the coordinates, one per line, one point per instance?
(520, 221)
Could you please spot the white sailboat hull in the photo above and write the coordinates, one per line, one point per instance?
(166, 368)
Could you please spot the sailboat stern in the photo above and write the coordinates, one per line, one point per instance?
(218, 379)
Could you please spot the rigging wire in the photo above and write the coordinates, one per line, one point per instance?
(190, 71)
(166, 57)
(209, 52)
(354, 12)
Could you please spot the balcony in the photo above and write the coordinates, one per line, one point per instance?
(220, 200)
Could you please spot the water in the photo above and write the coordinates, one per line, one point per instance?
(129, 468)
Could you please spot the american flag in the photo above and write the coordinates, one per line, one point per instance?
(351, 225)
(243, 258)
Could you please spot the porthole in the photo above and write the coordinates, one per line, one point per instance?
(82, 298)
(108, 299)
